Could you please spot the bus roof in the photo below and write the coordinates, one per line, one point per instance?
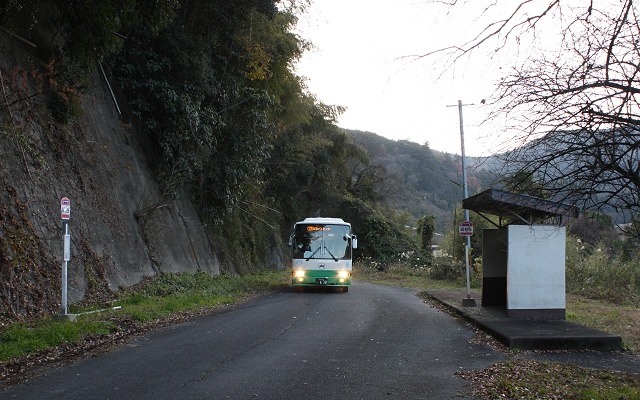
(323, 220)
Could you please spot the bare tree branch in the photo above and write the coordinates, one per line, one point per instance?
(574, 111)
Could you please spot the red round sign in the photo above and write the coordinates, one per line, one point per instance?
(65, 208)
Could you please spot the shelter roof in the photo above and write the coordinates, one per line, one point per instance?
(519, 208)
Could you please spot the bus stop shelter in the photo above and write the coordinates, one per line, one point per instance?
(523, 258)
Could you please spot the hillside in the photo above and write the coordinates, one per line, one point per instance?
(421, 180)
(122, 228)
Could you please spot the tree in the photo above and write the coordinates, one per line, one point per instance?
(574, 106)
(211, 92)
(593, 228)
(426, 229)
(378, 237)
(523, 182)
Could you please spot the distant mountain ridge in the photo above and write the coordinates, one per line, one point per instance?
(424, 181)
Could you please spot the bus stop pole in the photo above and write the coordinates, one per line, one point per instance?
(65, 215)
(64, 308)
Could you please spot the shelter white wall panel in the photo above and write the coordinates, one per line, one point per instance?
(536, 267)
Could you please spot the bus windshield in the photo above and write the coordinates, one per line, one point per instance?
(318, 241)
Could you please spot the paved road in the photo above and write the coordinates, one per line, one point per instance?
(374, 342)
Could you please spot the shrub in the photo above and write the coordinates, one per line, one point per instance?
(596, 272)
(65, 106)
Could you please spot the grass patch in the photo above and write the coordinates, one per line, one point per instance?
(153, 300)
(612, 318)
(168, 294)
(20, 339)
(523, 379)
(405, 275)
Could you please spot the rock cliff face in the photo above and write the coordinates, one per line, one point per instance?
(122, 229)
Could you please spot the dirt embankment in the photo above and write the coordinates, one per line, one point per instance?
(122, 229)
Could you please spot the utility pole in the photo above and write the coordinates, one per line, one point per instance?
(469, 301)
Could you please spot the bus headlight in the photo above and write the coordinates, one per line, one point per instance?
(299, 273)
(343, 274)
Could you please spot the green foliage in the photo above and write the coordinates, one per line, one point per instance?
(413, 270)
(210, 91)
(77, 35)
(143, 308)
(453, 243)
(153, 299)
(14, 13)
(164, 295)
(426, 229)
(595, 272)
(620, 391)
(19, 339)
(524, 183)
(65, 107)
(447, 270)
(95, 29)
(292, 172)
(309, 171)
(525, 379)
(200, 285)
(247, 235)
(593, 227)
(377, 237)
(84, 32)
(421, 181)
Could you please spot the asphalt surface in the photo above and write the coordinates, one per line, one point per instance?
(374, 342)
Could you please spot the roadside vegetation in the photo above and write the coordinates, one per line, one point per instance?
(532, 380)
(155, 302)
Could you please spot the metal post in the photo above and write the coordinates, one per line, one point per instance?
(468, 301)
(64, 309)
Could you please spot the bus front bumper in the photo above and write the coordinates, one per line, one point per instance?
(301, 277)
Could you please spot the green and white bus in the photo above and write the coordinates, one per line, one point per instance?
(322, 253)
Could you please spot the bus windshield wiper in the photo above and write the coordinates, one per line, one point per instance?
(329, 251)
(314, 253)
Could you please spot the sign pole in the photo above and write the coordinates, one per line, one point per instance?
(64, 309)
(65, 215)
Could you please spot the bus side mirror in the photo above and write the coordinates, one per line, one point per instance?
(291, 240)
(354, 241)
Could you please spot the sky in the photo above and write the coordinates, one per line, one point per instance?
(364, 59)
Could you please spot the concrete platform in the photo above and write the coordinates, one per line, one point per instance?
(526, 334)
